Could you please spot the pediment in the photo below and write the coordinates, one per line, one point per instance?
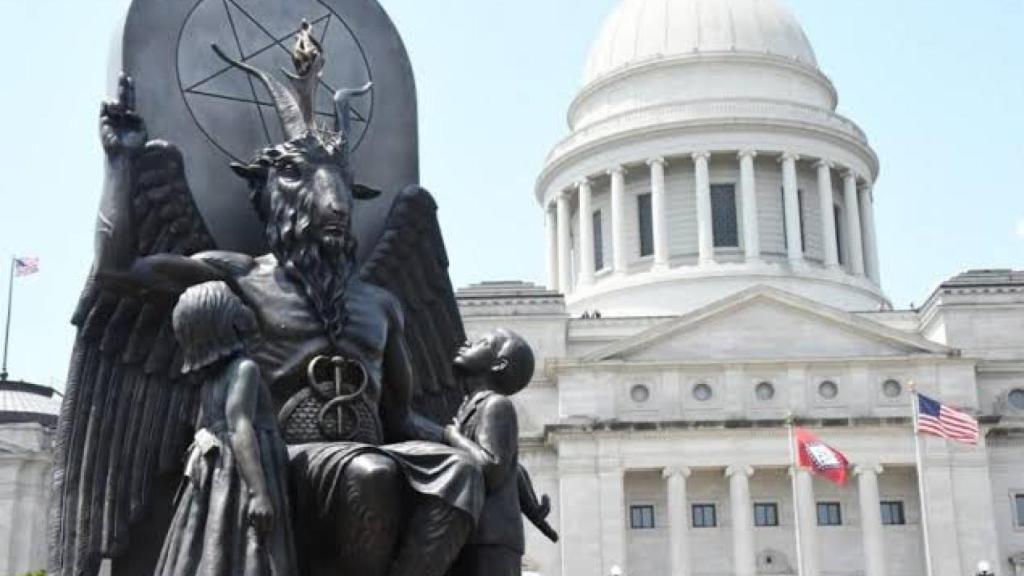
(765, 323)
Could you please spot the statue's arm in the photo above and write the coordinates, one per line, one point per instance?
(124, 138)
(243, 394)
(496, 449)
(123, 135)
(396, 403)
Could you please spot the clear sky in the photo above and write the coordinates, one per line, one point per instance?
(938, 85)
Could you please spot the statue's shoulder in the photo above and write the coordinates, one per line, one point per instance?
(232, 264)
(382, 297)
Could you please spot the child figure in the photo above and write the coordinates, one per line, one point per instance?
(232, 518)
(495, 367)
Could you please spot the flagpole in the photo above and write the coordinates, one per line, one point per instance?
(921, 486)
(7, 330)
(795, 468)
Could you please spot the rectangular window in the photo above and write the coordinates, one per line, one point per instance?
(766, 514)
(829, 514)
(598, 242)
(723, 216)
(892, 514)
(803, 225)
(645, 222)
(704, 516)
(1018, 505)
(839, 233)
(641, 517)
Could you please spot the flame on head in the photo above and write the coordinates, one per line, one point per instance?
(295, 106)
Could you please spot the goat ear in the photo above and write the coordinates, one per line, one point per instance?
(251, 173)
(360, 192)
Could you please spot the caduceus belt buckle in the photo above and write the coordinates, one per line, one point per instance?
(340, 391)
(332, 406)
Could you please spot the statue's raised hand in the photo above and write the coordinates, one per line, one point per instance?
(122, 130)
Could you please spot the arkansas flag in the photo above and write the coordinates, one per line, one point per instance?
(820, 458)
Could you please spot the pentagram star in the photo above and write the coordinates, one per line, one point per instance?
(251, 97)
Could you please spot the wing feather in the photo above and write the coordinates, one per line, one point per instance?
(126, 415)
(410, 261)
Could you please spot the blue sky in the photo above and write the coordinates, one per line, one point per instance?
(938, 87)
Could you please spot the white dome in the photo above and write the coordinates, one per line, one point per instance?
(641, 31)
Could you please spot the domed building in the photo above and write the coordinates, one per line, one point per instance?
(706, 156)
(713, 276)
(28, 417)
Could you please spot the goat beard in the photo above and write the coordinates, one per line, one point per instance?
(321, 266)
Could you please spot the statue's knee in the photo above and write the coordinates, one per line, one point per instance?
(375, 474)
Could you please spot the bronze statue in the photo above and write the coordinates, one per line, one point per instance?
(376, 490)
(233, 515)
(492, 369)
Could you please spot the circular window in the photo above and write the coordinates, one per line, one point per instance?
(765, 391)
(640, 393)
(1016, 399)
(892, 388)
(828, 390)
(702, 392)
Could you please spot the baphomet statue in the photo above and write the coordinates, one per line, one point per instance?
(375, 490)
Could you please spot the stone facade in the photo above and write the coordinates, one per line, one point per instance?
(28, 414)
(661, 414)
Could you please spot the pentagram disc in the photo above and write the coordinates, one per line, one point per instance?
(216, 115)
(245, 31)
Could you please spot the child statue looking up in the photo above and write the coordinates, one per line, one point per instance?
(491, 369)
(232, 516)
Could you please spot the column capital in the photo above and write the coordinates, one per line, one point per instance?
(746, 153)
(789, 156)
(583, 182)
(660, 160)
(701, 155)
(565, 194)
(868, 468)
(617, 169)
(735, 469)
(848, 174)
(822, 163)
(676, 471)
(866, 186)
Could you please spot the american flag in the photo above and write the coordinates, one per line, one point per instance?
(26, 266)
(940, 420)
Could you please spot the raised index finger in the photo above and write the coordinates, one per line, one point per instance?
(124, 89)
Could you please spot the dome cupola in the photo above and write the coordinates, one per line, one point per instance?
(705, 155)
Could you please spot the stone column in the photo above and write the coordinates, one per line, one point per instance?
(748, 183)
(807, 511)
(618, 185)
(551, 231)
(678, 524)
(856, 245)
(612, 495)
(659, 212)
(791, 195)
(564, 248)
(586, 242)
(871, 518)
(705, 222)
(830, 248)
(867, 217)
(743, 555)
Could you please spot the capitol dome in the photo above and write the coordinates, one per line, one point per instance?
(648, 30)
(705, 155)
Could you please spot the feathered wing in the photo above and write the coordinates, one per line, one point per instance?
(411, 262)
(126, 417)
